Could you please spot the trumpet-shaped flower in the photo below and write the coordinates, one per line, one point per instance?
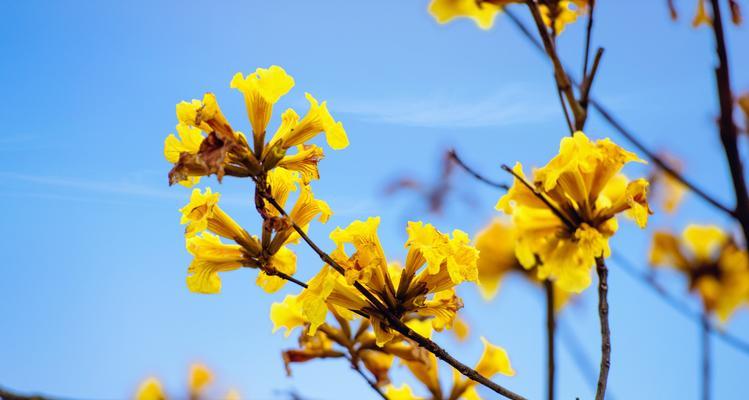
(435, 264)
(316, 121)
(718, 271)
(211, 257)
(261, 91)
(566, 216)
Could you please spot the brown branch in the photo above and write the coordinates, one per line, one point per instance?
(588, 35)
(631, 137)
(561, 77)
(452, 154)
(705, 344)
(603, 314)
(550, 336)
(728, 131)
(394, 322)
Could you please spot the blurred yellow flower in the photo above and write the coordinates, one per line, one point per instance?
(150, 389)
(566, 215)
(717, 269)
(556, 14)
(200, 377)
(496, 246)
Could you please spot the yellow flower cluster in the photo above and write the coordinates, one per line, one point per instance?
(207, 144)
(557, 14)
(423, 288)
(717, 269)
(199, 379)
(566, 215)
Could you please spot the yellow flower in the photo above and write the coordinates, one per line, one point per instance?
(305, 161)
(189, 142)
(203, 212)
(494, 360)
(200, 377)
(403, 392)
(150, 389)
(223, 151)
(317, 120)
(566, 215)
(701, 16)
(482, 12)
(284, 260)
(418, 289)
(716, 268)
(287, 314)
(496, 246)
(306, 209)
(566, 13)
(261, 91)
(211, 257)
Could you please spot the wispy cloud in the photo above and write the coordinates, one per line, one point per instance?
(120, 190)
(514, 105)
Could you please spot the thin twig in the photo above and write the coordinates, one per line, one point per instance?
(705, 340)
(728, 132)
(393, 321)
(588, 34)
(561, 77)
(603, 314)
(619, 127)
(550, 339)
(475, 174)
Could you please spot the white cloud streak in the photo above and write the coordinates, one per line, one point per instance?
(509, 107)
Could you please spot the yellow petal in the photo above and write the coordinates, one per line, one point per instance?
(287, 314)
(494, 360)
(483, 13)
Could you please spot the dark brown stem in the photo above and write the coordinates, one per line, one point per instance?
(475, 174)
(603, 314)
(619, 127)
(588, 35)
(394, 322)
(705, 341)
(562, 80)
(728, 131)
(550, 336)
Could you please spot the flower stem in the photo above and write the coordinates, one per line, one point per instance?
(550, 338)
(603, 314)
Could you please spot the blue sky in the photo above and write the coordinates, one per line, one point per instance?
(93, 297)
